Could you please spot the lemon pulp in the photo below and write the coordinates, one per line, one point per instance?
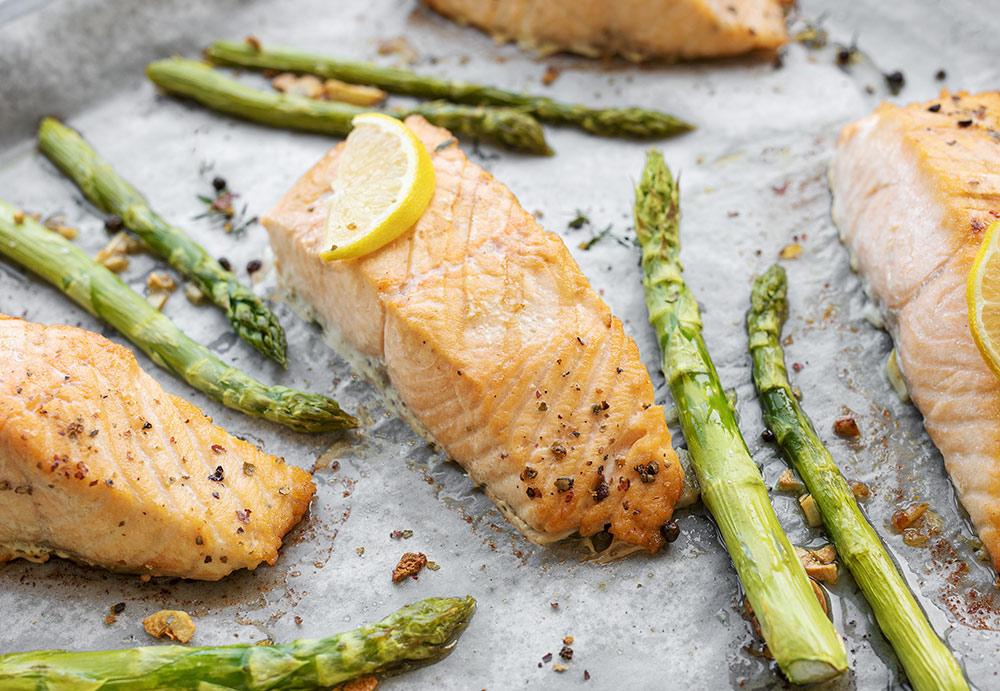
(385, 180)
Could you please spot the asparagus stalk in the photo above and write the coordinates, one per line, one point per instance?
(506, 126)
(418, 634)
(606, 122)
(105, 296)
(927, 661)
(109, 192)
(798, 633)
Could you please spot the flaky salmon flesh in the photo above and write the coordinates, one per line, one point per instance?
(634, 29)
(498, 347)
(914, 190)
(100, 465)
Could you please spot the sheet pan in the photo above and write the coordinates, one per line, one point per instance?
(753, 180)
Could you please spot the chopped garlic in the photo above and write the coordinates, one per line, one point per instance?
(787, 482)
(173, 624)
(811, 511)
(160, 281)
(194, 294)
(357, 94)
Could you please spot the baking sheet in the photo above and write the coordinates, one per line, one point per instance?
(753, 179)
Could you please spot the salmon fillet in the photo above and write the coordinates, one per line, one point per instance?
(914, 189)
(100, 465)
(634, 29)
(499, 349)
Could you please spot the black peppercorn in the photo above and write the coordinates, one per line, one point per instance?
(895, 81)
(670, 531)
(224, 263)
(219, 183)
(253, 266)
(113, 223)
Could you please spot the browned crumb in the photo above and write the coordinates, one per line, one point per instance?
(410, 564)
(907, 517)
(168, 623)
(847, 427)
(56, 225)
(550, 75)
(253, 42)
(398, 46)
(861, 490)
(113, 613)
(360, 684)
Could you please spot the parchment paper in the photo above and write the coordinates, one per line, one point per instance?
(753, 179)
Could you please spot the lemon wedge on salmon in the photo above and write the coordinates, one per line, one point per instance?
(983, 296)
(384, 183)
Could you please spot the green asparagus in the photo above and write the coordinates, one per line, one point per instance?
(196, 80)
(110, 193)
(927, 661)
(792, 622)
(606, 122)
(104, 295)
(418, 634)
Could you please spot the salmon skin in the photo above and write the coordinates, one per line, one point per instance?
(498, 348)
(635, 29)
(100, 465)
(914, 189)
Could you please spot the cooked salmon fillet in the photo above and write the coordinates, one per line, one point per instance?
(914, 189)
(634, 29)
(498, 347)
(100, 465)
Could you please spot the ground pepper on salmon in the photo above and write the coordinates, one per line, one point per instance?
(914, 189)
(553, 411)
(105, 467)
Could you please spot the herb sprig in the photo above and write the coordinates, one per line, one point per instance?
(221, 208)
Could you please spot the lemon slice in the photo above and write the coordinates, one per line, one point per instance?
(983, 296)
(384, 183)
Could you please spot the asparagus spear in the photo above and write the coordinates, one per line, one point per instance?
(105, 296)
(251, 319)
(927, 661)
(798, 633)
(606, 122)
(419, 633)
(506, 126)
